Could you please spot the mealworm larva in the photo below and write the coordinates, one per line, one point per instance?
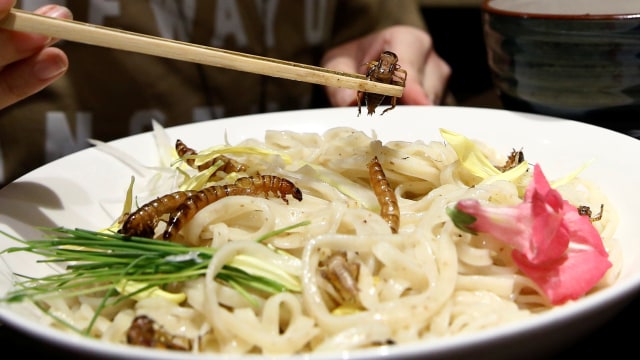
(229, 165)
(266, 184)
(194, 203)
(389, 209)
(183, 205)
(251, 185)
(143, 221)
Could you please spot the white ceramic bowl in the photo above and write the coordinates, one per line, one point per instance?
(83, 190)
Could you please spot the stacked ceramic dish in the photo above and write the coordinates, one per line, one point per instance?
(577, 59)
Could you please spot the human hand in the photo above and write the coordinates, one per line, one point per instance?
(427, 73)
(27, 63)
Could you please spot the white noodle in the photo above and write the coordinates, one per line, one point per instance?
(429, 280)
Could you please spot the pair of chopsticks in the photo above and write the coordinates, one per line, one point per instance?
(24, 21)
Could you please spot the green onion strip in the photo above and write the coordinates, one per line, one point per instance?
(99, 261)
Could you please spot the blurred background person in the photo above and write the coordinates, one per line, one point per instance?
(54, 95)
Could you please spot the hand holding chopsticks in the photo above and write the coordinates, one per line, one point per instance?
(76, 31)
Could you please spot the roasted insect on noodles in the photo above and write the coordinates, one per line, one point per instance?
(386, 196)
(183, 205)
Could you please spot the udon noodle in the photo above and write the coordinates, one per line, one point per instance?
(428, 281)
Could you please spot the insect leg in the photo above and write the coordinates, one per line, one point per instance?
(393, 105)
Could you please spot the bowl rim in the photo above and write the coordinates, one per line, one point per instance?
(488, 8)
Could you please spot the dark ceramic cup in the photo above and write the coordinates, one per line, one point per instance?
(574, 59)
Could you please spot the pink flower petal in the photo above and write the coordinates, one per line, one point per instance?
(568, 277)
(553, 244)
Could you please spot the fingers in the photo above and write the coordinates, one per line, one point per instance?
(435, 78)
(427, 73)
(351, 57)
(25, 78)
(16, 46)
(27, 65)
(344, 59)
(5, 6)
(429, 83)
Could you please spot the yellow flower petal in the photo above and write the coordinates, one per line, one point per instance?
(126, 287)
(469, 155)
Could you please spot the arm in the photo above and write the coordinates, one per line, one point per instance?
(27, 63)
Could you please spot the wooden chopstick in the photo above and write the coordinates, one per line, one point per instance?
(20, 20)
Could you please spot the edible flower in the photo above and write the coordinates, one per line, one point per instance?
(553, 244)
